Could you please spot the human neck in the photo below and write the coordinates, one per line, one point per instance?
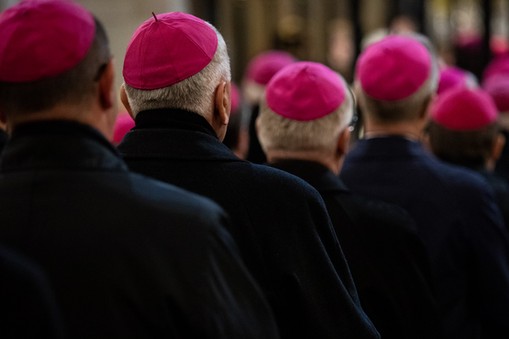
(409, 129)
(76, 113)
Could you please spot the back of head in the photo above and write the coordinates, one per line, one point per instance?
(497, 67)
(452, 77)
(463, 127)
(497, 86)
(306, 106)
(51, 52)
(175, 60)
(395, 77)
(260, 70)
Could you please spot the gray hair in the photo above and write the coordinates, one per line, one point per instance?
(195, 94)
(276, 132)
(405, 109)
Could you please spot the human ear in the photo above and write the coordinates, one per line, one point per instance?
(125, 101)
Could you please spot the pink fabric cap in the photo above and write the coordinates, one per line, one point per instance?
(393, 68)
(263, 67)
(498, 88)
(167, 50)
(452, 77)
(497, 66)
(123, 124)
(235, 98)
(40, 39)
(464, 109)
(305, 91)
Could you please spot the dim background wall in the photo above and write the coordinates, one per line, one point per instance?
(328, 31)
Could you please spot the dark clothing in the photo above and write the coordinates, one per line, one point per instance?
(499, 185)
(502, 166)
(501, 188)
(459, 222)
(388, 261)
(127, 256)
(232, 136)
(255, 152)
(3, 139)
(278, 221)
(27, 305)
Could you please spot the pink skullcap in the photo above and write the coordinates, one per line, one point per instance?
(43, 38)
(451, 77)
(168, 49)
(464, 109)
(393, 68)
(498, 88)
(235, 98)
(305, 91)
(123, 124)
(497, 66)
(263, 67)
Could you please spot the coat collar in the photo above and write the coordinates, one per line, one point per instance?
(174, 134)
(388, 147)
(59, 144)
(316, 174)
(175, 119)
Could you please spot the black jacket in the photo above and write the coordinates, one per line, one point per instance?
(278, 221)
(388, 261)
(127, 256)
(459, 222)
(28, 308)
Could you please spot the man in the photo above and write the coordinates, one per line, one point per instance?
(464, 131)
(236, 137)
(128, 257)
(304, 129)
(496, 84)
(456, 214)
(180, 98)
(259, 71)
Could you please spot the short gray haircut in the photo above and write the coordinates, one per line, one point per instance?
(276, 132)
(195, 94)
(405, 109)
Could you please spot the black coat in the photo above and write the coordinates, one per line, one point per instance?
(3, 139)
(501, 188)
(502, 165)
(458, 221)
(28, 308)
(279, 222)
(388, 261)
(127, 256)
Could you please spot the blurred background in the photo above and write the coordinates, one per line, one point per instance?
(467, 33)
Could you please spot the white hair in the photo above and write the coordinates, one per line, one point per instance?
(195, 94)
(276, 132)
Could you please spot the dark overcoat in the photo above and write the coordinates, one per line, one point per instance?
(279, 222)
(458, 221)
(127, 256)
(388, 261)
(28, 308)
